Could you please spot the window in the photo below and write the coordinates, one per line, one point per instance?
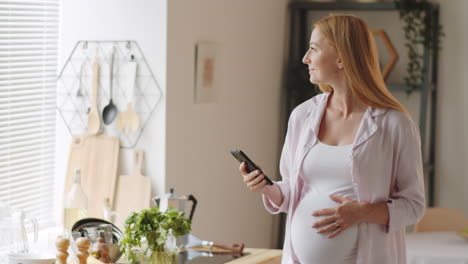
(28, 68)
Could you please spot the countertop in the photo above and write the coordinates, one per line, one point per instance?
(252, 256)
(260, 256)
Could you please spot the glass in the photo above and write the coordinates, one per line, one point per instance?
(160, 258)
(13, 234)
(7, 235)
(106, 233)
(92, 234)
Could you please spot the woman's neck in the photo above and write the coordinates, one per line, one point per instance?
(342, 101)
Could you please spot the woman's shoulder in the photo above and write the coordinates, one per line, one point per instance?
(396, 117)
(304, 109)
(398, 121)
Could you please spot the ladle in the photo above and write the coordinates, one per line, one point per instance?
(110, 111)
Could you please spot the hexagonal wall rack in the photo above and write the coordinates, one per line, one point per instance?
(390, 49)
(74, 87)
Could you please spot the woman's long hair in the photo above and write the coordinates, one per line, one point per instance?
(356, 47)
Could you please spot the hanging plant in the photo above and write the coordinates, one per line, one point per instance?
(420, 34)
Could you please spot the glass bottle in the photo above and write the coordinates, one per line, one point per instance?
(76, 203)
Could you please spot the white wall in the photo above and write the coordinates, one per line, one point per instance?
(250, 37)
(187, 146)
(145, 22)
(452, 126)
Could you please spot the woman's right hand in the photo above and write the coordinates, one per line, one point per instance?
(255, 180)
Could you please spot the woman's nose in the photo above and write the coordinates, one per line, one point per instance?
(305, 59)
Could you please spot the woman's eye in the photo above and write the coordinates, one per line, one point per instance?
(312, 48)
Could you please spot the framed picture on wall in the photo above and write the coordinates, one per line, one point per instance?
(205, 66)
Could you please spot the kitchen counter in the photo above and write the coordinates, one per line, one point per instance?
(259, 256)
(252, 256)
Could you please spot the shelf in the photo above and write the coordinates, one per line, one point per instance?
(401, 87)
(343, 6)
(385, 6)
(74, 87)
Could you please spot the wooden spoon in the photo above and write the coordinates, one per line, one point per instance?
(94, 121)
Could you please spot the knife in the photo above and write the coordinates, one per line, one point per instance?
(193, 241)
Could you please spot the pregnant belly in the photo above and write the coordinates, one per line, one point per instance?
(311, 247)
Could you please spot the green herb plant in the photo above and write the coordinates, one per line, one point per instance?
(153, 226)
(420, 33)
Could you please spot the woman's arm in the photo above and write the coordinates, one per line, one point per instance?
(273, 193)
(407, 202)
(350, 213)
(375, 213)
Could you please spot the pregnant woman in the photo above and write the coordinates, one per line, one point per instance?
(351, 165)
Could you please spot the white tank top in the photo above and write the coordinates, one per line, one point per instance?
(326, 171)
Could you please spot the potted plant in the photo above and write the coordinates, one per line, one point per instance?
(420, 33)
(146, 233)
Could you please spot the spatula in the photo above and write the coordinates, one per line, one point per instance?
(128, 120)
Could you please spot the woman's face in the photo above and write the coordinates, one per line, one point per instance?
(322, 59)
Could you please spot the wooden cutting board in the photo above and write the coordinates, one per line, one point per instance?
(259, 256)
(133, 192)
(97, 156)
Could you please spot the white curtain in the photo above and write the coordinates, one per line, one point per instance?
(28, 68)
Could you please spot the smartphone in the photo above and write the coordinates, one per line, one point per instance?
(250, 166)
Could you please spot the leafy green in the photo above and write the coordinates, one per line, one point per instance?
(153, 226)
(420, 32)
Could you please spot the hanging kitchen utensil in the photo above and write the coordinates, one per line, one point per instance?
(128, 120)
(94, 121)
(109, 113)
(79, 93)
(74, 109)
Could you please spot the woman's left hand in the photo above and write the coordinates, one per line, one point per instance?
(340, 218)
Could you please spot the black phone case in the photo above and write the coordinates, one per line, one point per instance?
(250, 166)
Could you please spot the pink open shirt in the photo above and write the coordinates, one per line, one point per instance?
(385, 164)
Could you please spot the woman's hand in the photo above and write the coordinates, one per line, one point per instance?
(340, 218)
(253, 180)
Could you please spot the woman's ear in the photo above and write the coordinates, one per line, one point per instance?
(339, 62)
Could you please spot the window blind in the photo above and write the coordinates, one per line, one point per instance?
(28, 68)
